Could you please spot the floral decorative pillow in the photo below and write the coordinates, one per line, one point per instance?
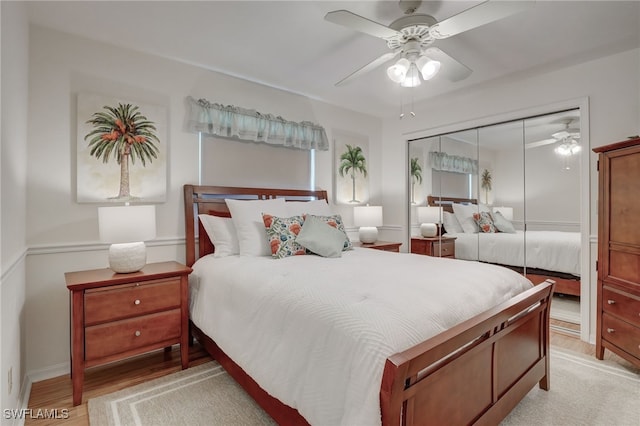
(484, 222)
(282, 233)
(336, 221)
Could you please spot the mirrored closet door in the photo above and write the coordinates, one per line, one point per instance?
(507, 194)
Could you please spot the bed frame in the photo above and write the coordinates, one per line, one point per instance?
(565, 283)
(473, 373)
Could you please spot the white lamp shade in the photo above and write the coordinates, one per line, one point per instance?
(127, 224)
(367, 216)
(429, 214)
(412, 78)
(428, 67)
(506, 212)
(398, 71)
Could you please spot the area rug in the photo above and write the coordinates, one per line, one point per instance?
(584, 391)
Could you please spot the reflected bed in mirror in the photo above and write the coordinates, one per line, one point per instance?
(537, 254)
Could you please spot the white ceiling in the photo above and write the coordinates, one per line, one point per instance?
(289, 45)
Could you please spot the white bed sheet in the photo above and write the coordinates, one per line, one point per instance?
(315, 332)
(551, 250)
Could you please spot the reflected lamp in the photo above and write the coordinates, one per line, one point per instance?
(429, 218)
(127, 228)
(368, 218)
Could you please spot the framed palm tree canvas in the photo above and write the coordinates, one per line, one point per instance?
(351, 177)
(121, 150)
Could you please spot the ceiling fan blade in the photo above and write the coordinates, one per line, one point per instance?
(371, 65)
(359, 23)
(540, 143)
(451, 68)
(479, 15)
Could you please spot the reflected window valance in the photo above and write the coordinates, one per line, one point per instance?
(452, 163)
(250, 125)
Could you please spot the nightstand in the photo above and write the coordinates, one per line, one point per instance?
(115, 316)
(434, 246)
(380, 245)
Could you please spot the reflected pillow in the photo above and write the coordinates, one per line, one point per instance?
(451, 224)
(321, 238)
(503, 224)
(484, 222)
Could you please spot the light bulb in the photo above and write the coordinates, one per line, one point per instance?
(413, 77)
(398, 71)
(428, 67)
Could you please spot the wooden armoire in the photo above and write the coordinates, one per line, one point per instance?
(618, 304)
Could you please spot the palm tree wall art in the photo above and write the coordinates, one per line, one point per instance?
(485, 183)
(353, 161)
(416, 176)
(122, 157)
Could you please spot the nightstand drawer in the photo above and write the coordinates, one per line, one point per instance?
(122, 336)
(444, 249)
(130, 300)
(622, 334)
(621, 304)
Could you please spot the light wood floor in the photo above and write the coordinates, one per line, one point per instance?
(56, 393)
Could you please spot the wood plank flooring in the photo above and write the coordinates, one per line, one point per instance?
(56, 393)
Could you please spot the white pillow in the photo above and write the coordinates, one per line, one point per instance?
(503, 224)
(247, 218)
(222, 234)
(314, 207)
(451, 224)
(464, 214)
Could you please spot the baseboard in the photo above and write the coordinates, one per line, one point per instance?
(49, 372)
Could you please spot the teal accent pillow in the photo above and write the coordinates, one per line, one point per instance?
(502, 224)
(336, 222)
(282, 233)
(320, 238)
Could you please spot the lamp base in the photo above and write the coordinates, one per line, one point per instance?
(429, 230)
(127, 257)
(368, 234)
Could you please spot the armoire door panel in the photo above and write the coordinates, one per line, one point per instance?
(624, 266)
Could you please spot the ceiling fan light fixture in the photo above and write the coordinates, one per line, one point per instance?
(568, 148)
(398, 71)
(412, 78)
(428, 67)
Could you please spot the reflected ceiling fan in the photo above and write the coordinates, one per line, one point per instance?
(568, 139)
(411, 37)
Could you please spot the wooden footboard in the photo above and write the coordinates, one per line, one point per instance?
(475, 372)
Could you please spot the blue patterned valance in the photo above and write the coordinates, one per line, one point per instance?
(453, 163)
(249, 125)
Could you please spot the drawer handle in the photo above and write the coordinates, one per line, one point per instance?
(137, 333)
(611, 330)
(137, 302)
(611, 302)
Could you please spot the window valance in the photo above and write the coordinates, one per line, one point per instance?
(452, 163)
(249, 125)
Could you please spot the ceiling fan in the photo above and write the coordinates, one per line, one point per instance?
(568, 139)
(412, 35)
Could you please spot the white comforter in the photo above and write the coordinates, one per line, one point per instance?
(315, 332)
(551, 250)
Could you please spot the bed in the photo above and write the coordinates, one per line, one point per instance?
(549, 254)
(475, 371)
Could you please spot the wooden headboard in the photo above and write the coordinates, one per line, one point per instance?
(447, 202)
(200, 199)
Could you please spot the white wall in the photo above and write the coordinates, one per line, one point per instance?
(13, 205)
(62, 234)
(611, 84)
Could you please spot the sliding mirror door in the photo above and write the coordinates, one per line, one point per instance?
(510, 194)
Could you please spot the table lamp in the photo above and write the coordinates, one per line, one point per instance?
(429, 218)
(127, 228)
(367, 218)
